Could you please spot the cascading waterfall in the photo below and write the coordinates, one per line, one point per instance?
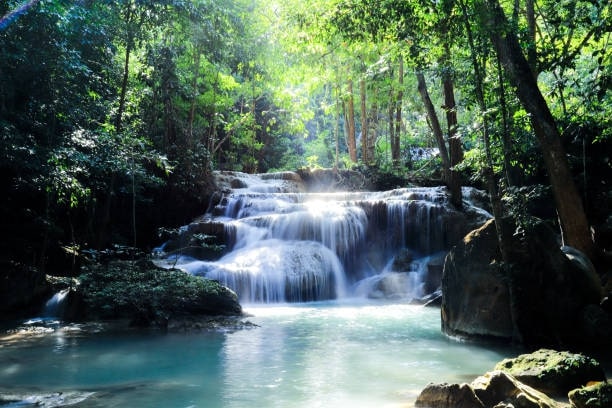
(289, 246)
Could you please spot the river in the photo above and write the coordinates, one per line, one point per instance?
(349, 353)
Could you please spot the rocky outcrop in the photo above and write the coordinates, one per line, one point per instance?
(495, 389)
(598, 395)
(538, 299)
(553, 372)
(538, 380)
(22, 289)
(148, 295)
(476, 299)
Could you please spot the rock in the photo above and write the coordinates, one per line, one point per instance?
(47, 400)
(553, 372)
(448, 396)
(492, 390)
(475, 297)
(393, 285)
(598, 395)
(537, 299)
(319, 180)
(23, 289)
(499, 387)
(435, 268)
(150, 295)
(403, 260)
(597, 325)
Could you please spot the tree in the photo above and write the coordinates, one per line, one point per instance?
(574, 224)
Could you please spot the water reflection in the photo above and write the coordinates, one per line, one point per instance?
(305, 355)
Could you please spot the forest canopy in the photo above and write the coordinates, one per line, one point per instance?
(114, 112)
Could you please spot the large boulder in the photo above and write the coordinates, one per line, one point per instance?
(448, 396)
(538, 298)
(553, 372)
(476, 299)
(23, 289)
(494, 389)
(598, 395)
(149, 295)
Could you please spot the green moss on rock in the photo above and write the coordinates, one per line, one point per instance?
(553, 372)
(594, 396)
(150, 295)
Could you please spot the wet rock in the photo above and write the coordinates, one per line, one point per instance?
(392, 285)
(598, 395)
(319, 180)
(492, 390)
(553, 372)
(46, 400)
(435, 269)
(150, 295)
(23, 289)
(403, 260)
(537, 299)
(448, 396)
(499, 387)
(476, 300)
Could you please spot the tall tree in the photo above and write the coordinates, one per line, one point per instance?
(350, 121)
(572, 218)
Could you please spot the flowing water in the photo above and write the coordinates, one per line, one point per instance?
(285, 245)
(317, 271)
(351, 353)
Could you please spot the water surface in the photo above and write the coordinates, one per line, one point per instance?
(349, 353)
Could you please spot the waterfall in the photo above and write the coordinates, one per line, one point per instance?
(286, 245)
(55, 306)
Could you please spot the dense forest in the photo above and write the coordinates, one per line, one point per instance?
(114, 114)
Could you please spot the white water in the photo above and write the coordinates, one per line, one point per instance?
(331, 354)
(54, 306)
(286, 245)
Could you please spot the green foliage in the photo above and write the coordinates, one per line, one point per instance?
(107, 105)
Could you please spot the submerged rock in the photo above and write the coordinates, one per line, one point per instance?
(46, 400)
(553, 372)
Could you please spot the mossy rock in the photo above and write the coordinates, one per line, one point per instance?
(594, 396)
(553, 372)
(150, 295)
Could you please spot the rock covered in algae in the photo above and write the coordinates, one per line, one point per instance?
(150, 295)
(494, 389)
(553, 372)
(598, 395)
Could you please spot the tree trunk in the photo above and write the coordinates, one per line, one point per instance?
(372, 129)
(364, 121)
(350, 118)
(454, 142)
(434, 122)
(532, 53)
(194, 94)
(574, 224)
(395, 141)
(509, 169)
(124, 85)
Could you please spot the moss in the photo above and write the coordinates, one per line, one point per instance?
(555, 372)
(147, 294)
(595, 396)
